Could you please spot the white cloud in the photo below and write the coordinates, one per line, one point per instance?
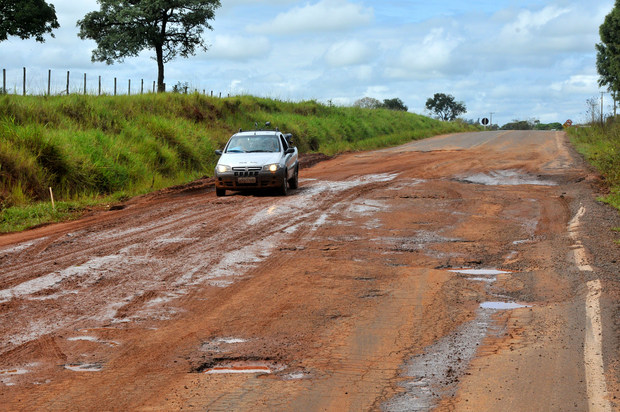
(528, 23)
(326, 15)
(348, 53)
(578, 83)
(234, 47)
(429, 58)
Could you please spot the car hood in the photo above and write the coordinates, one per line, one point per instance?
(249, 159)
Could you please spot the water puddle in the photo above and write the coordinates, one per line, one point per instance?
(504, 178)
(238, 369)
(91, 339)
(9, 372)
(84, 367)
(480, 272)
(243, 367)
(503, 305)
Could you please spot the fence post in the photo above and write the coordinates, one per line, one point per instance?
(24, 81)
(211, 93)
(3, 80)
(99, 86)
(84, 84)
(153, 86)
(129, 88)
(49, 82)
(142, 86)
(68, 82)
(115, 86)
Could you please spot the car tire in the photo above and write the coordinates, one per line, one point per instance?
(294, 182)
(220, 192)
(284, 187)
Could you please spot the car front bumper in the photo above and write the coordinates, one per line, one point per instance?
(239, 180)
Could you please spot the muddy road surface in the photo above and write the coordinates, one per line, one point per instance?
(471, 272)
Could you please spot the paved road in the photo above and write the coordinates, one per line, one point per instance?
(464, 272)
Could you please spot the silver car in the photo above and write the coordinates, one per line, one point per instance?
(259, 159)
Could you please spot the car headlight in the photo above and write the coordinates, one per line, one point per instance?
(272, 168)
(222, 168)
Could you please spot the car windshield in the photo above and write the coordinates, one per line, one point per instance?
(253, 144)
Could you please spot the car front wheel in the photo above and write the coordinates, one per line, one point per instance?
(284, 187)
(294, 182)
(220, 192)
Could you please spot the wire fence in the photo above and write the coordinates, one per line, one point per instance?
(83, 84)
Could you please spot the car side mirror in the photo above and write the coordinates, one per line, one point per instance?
(290, 150)
(218, 152)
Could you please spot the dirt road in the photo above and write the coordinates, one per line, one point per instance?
(471, 272)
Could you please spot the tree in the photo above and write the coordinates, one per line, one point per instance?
(608, 51)
(367, 103)
(27, 18)
(395, 104)
(444, 106)
(123, 28)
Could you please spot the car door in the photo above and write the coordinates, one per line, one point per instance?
(289, 159)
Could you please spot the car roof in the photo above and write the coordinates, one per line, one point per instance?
(258, 132)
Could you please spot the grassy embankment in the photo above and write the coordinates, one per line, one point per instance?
(601, 148)
(92, 150)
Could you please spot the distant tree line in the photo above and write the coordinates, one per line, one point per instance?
(372, 103)
(531, 125)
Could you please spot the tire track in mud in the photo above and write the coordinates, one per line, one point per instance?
(229, 252)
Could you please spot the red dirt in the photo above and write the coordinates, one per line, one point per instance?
(323, 296)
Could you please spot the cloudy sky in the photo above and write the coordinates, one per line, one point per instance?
(527, 59)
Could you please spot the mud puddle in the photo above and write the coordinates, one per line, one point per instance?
(84, 367)
(504, 178)
(436, 373)
(243, 367)
(503, 305)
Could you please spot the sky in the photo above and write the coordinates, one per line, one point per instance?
(505, 59)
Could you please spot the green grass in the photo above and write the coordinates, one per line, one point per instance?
(601, 148)
(90, 149)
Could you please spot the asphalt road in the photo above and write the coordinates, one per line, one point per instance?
(469, 272)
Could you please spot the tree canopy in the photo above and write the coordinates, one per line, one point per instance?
(367, 103)
(170, 27)
(395, 104)
(445, 107)
(27, 18)
(372, 103)
(608, 51)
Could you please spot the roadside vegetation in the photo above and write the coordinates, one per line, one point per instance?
(96, 150)
(601, 148)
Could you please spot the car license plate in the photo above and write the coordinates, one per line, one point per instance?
(246, 180)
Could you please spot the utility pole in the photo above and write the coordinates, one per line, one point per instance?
(602, 93)
(491, 122)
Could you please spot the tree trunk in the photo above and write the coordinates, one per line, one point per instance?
(161, 86)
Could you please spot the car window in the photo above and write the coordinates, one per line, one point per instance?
(253, 144)
(284, 142)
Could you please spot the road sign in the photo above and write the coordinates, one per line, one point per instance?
(485, 121)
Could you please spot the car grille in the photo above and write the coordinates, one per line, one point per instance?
(246, 171)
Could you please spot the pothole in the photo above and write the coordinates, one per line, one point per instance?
(84, 367)
(240, 365)
(503, 305)
(480, 272)
(244, 367)
(504, 178)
